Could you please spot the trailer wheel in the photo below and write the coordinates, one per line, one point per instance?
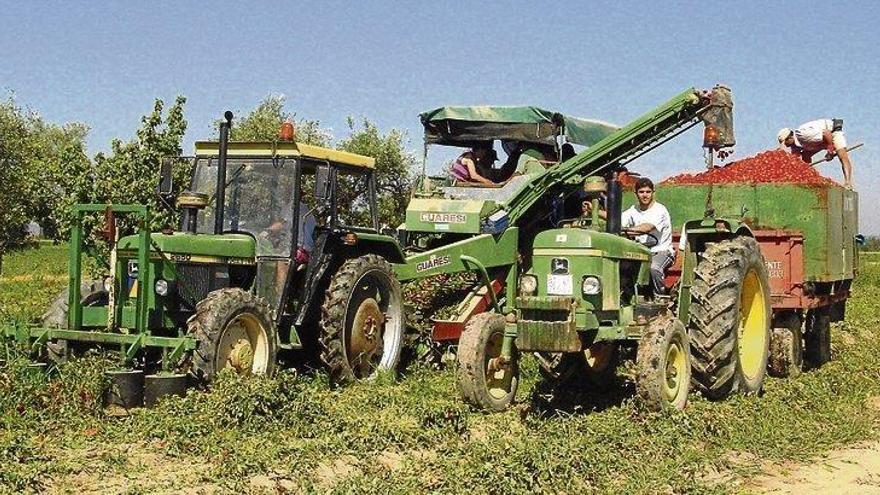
(481, 380)
(233, 329)
(818, 337)
(596, 366)
(663, 365)
(362, 320)
(786, 347)
(729, 326)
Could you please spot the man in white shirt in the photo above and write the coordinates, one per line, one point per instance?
(815, 136)
(649, 222)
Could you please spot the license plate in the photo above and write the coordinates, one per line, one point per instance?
(559, 285)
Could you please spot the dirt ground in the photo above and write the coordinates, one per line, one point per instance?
(853, 470)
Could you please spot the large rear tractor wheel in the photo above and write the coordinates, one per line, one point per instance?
(485, 381)
(663, 365)
(595, 367)
(786, 347)
(818, 337)
(730, 319)
(92, 293)
(362, 322)
(234, 329)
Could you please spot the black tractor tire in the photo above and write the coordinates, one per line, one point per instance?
(594, 368)
(786, 347)
(817, 337)
(233, 329)
(92, 293)
(480, 342)
(362, 321)
(663, 365)
(729, 328)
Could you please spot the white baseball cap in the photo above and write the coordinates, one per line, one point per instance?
(783, 134)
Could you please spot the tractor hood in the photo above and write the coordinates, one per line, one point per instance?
(238, 246)
(564, 241)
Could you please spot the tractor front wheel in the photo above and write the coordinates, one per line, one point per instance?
(362, 321)
(663, 365)
(483, 379)
(233, 329)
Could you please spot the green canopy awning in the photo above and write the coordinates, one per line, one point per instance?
(465, 125)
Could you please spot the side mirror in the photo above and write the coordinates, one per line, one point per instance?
(322, 181)
(166, 179)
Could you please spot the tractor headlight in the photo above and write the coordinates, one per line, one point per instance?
(161, 287)
(528, 285)
(591, 286)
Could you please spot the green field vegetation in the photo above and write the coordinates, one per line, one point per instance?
(292, 434)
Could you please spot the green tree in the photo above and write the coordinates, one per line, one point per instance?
(16, 148)
(263, 122)
(395, 177)
(43, 170)
(130, 172)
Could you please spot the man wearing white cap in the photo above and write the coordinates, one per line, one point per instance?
(813, 137)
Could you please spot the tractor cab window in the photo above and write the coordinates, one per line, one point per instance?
(353, 191)
(259, 199)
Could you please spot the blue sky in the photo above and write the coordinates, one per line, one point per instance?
(103, 63)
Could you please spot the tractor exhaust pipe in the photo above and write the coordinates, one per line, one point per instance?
(613, 205)
(221, 173)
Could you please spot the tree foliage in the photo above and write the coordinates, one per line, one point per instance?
(43, 170)
(394, 166)
(263, 122)
(130, 172)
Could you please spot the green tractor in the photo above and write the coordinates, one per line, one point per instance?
(585, 301)
(575, 293)
(279, 249)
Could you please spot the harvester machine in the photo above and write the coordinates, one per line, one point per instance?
(574, 292)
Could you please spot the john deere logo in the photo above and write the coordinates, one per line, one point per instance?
(559, 265)
(444, 217)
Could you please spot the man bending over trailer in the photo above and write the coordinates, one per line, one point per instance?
(649, 222)
(813, 137)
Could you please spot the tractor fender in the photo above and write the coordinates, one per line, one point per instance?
(698, 232)
(381, 244)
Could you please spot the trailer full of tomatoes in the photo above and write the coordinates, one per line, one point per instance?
(769, 166)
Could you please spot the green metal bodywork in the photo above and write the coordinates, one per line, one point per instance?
(826, 216)
(554, 320)
(235, 246)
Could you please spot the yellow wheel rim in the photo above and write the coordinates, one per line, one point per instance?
(244, 346)
(498, 381)
(676, 371)
(752, 335)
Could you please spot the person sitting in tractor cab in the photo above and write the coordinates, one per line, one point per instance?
(466, 168)
(649, 223)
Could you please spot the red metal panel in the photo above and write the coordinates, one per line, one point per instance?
(783, 252)
(452, 329)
